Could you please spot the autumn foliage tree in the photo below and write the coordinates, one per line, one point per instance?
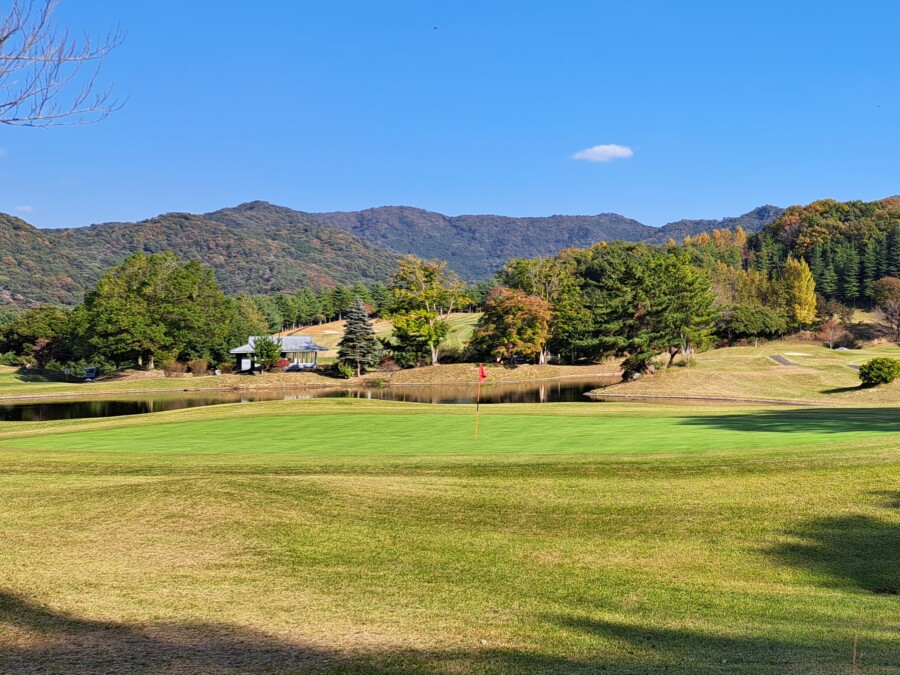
(424, 293)
(513, 324)
(555, 281)
(799, 292)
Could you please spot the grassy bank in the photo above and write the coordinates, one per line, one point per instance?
(337, 536)
(817, 375)
(15, 384)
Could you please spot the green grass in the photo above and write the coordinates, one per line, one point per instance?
(338, 536)
(616, 429)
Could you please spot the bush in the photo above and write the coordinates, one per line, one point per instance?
(175, 369)
(345, 370)
(198, 367)
(11, 359)
(388, 365)
(879, 371)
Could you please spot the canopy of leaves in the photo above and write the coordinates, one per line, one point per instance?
(151, 307)
(513, 324)
(645, 301)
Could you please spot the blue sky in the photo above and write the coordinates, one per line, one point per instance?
(474, 107)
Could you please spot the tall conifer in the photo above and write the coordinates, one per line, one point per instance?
(359, 346)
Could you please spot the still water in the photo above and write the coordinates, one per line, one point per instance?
(548, 391)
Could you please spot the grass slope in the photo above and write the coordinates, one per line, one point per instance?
(820, 375)
(135, 544)
(462, 325)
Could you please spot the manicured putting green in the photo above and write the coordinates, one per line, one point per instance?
(442, 433)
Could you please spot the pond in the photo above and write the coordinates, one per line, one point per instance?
(545, 391)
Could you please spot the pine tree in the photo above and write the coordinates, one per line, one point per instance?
(892, 261)
(850, 276)
(816, 263)
(359, 346)
(829, 282)
(870, 270)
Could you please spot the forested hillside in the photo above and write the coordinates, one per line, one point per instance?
(848, 245)
(55, 266)
(260, 248)
(476, 246)
(752, 221)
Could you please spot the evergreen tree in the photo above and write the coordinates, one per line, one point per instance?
(307, 306)
(341, 299)
(359, 346)
(828, 283)
(816, 263)
(381, 298)
(850, 288)
(892, 258)
(870, 270)
(361, 291)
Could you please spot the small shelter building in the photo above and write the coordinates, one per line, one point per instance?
(300, 352)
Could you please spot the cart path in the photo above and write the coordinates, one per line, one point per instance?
(781, 361)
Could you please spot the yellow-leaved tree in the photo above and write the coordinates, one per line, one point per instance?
(799, 292)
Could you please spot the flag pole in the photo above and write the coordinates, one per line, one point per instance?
(478, 396)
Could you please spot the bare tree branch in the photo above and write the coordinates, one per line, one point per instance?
(48, 77)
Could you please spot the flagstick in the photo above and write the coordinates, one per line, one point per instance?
(477, 402)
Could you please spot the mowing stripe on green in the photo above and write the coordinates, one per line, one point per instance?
(430, 434)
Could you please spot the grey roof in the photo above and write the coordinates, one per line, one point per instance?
(289, 343)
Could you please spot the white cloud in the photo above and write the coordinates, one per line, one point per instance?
(24, 209)
(604, 153)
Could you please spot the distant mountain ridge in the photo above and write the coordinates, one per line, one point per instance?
(259, 247)
(476, 246)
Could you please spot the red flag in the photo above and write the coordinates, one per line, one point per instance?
(482, 375)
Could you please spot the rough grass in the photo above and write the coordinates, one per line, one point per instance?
(462, 325)
(820, 375)
(768, 551)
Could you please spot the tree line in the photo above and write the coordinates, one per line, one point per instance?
(622, 300)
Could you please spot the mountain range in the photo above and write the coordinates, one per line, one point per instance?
(258, 247)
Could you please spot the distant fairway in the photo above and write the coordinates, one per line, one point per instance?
(378, 538)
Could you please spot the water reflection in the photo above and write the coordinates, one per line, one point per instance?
(555, 391)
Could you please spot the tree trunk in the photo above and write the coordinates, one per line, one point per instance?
(543, 357)
(148, 361)
(435, 352)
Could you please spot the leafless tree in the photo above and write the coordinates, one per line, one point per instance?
(889, 318)
(48, 76)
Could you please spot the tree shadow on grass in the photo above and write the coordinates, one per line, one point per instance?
(843, 390)
(820, 420)
(682, 650)
(36, 639)
(853, 550)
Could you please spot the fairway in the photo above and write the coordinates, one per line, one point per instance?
(623, 430)
(371, 537)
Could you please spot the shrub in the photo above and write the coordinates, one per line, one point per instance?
(198, 367)
(11, 359)
(345, 370)
(175, 369)
(881, 370)
(388, 365)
